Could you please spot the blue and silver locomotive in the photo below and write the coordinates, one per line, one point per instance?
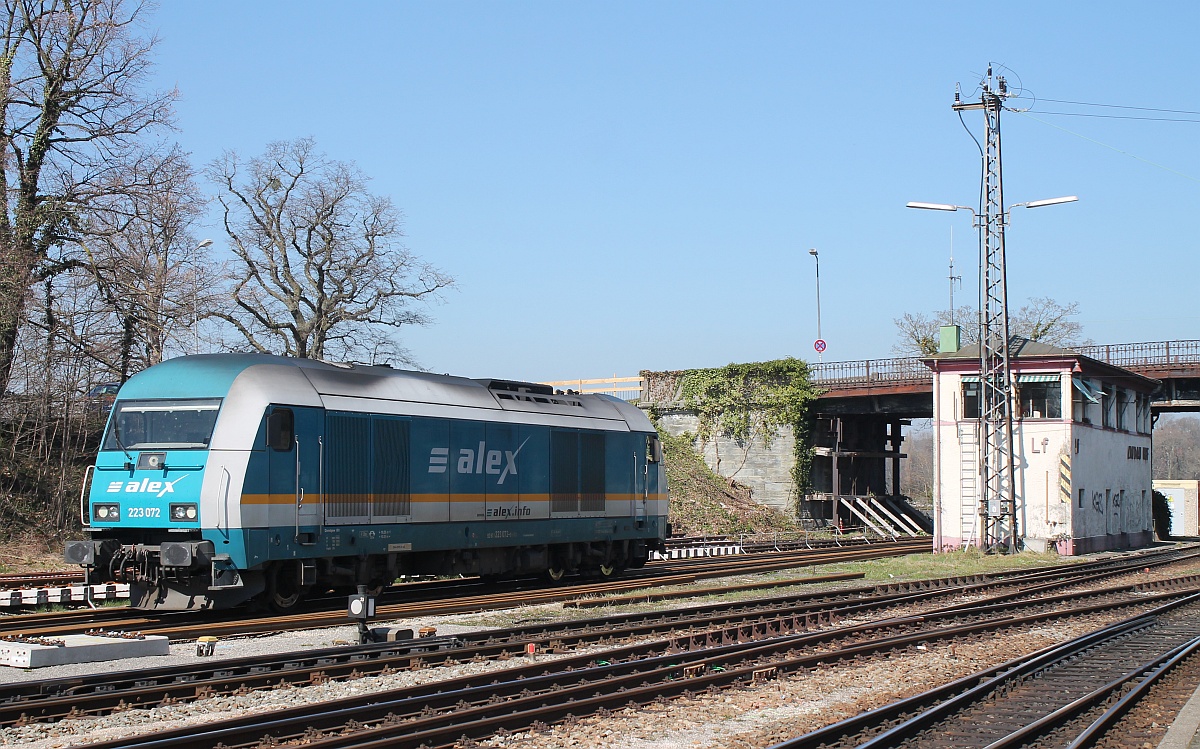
(234, 477)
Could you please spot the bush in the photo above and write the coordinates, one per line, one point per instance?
(1160, 511)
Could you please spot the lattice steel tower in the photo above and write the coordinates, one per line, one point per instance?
(997, 503)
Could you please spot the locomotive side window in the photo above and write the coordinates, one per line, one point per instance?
(281, 429)
(653, 448)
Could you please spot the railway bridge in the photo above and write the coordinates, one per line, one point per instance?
(859, 417)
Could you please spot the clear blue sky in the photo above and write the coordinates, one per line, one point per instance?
(620, 186)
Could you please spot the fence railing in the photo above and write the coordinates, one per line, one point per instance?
(663, 387)
(625, 388)
(850, 374)
(1151, 354)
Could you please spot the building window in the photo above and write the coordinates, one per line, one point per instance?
(1122, 404)
(1087, 397)
(970, 400)
(1041, 400)
(1142, 413)
(1106, 405)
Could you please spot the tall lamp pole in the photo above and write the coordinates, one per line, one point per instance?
(998, 503)
(820, 342)
(196, 301)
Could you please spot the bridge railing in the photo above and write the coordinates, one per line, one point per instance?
(854, 374)
(663, 387)
(1150, 354)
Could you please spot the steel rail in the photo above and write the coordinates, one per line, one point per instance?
(321, 666)
(183, 625)
(1087, 702)
(1109, 718)
(917, 714)
(932, 706)
(416, 717)
(79, 695)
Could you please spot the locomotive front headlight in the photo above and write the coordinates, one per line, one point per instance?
(108, 511)
(183, 511)
(102, 511)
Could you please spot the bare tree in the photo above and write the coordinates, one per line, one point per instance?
(1177, 447)
(323, 271)
(1040, 319)
(147, 266)
(916, 471)
(70, 112)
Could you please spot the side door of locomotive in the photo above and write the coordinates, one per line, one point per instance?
(295, 446)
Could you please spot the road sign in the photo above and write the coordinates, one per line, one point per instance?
(819, 345)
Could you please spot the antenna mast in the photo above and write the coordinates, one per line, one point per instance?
(953, 278)
(998, 501)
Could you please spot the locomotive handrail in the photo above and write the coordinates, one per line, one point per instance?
(83, 495)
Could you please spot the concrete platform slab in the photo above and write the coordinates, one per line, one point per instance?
(80, 649)
(1184, 733)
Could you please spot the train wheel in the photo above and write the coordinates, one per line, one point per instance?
(283, 588)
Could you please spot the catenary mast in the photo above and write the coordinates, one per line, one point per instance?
(997, 503)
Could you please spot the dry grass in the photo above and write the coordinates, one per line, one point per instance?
(30, 553)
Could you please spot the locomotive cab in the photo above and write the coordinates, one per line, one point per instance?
(141, 507)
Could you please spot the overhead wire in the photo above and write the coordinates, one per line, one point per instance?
(1118, 106)
(1035, 99)
(1025, 113)
(1112, 116)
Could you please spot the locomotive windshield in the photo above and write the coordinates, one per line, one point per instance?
(161, 424)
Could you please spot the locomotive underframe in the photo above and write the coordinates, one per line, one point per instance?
(187, 573)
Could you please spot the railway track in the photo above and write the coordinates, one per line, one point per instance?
(670, 631)
(532, 696)
(1069, 695)
(17, 580)
(184, 625)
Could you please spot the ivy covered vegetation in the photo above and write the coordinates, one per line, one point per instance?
(749, 402)
(704, 504)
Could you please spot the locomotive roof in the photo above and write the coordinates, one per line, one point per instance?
(255, 380)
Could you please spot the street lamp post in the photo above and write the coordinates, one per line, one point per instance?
(196, 301)
(820, 342)
(997, 466)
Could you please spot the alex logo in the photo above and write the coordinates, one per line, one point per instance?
(157, 488)
(476, 461)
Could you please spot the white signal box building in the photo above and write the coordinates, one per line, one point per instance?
(1081, 438)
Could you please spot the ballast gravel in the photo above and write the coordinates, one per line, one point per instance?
(738, 718)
